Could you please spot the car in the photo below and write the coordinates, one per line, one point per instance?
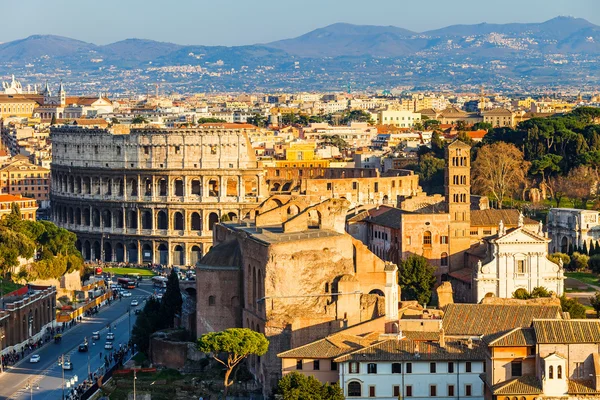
(108, 345)
(34, 358)
(137, 311)
(159, 296)
(134, 303)
(67, 366)
(126, 294)
(110, 336)
(96, 335)
(82, 348)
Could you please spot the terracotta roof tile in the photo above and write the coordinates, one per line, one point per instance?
(487, 319)
(522, 385)
(515, 337)
(329, 347)
(583, 386)
(492, 217)
(400, 350)
(567, 331)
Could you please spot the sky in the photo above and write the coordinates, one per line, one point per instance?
(239, 22)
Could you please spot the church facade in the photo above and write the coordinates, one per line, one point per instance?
(515, 259)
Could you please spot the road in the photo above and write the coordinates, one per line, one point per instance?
(48, 374)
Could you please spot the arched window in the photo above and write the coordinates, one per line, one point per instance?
(427, 238)
(551, 372)
(354, 389)
(211, 300)
(559, 372)
(444, 260)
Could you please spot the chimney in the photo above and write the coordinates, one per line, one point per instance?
(470, 344)
(442, 338)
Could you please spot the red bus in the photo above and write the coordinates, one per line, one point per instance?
(126, 283)
(98, 270)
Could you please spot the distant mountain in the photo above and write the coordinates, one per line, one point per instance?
(138, 49)
(37, 46)
(348, 40)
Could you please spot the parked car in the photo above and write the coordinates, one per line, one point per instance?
(110, 336)
(96, 335)
(134, 303)
(34, 358)
(108, 345)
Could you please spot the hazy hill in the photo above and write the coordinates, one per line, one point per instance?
(37, 46)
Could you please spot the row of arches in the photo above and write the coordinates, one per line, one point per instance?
(27, 322)
(144, 186)
(134, 252)
(147, 219)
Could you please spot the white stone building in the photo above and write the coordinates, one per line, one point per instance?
(572, 227)
(516, 258)
(400, 368)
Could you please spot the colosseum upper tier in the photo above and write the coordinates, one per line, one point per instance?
(151, 195)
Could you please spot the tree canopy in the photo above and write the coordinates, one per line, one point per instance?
(231, 346)
(296, 386)
(575, 309)
(416, 277)
(208, 120)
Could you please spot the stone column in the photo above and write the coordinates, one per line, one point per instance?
(139, 249)
(139, 186)
(125, 187)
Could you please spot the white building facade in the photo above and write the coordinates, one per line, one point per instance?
(395, 369)
(515, 259)
(572, 227)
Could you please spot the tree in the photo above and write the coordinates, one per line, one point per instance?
(296, 386)
(500, 170)
(431, 124)
(540, 291)
(594, 263)
(235, 344)
(171, 301)
(595, 303)
(556, 257)
(257, 120)
(482, 125)
(431, 172)
(584, 249)
(147, 322)
(416, 277)
(579, 262)
(573, 307)
(209, 120)
(139, 120)
(521, 294)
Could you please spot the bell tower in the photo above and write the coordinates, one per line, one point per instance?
(458, 198)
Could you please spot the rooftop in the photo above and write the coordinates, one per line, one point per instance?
(275, 234)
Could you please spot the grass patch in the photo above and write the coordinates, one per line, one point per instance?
(9, 286)
(130, 271)
(585, 277)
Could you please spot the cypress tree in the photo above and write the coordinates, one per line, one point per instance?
(585, 249)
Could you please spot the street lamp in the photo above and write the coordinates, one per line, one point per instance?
(30, 388)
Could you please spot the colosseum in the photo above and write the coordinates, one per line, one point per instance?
(151, 195)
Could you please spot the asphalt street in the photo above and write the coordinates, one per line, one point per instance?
(48, 375)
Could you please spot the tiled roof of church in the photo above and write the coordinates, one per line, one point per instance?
(487, 319)
(390, 218)
(330, 347)
(567, 331)
(515, 337)
(226, 254)
(493, 217)
(582, 386)
(522, 385)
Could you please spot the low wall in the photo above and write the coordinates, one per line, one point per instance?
(66, 317)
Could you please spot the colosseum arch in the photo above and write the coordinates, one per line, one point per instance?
(178, 255)
(78, 185)
(147, 219)
(106, 186)
(97, 251)
(107, 219)
(108, 252)
(314, 219)
(213, 187)
(250, 186)
(178, 221)
(196, 187)
(71, 216)
(163, 254)
(121, 187)
(96, 217)
(119, 252)
(178, 187)
(162, 187)
(132, 253)
(86, 217)
(132, 219)
(119, 221)
(293, 210)
(196, 222)
(87, 250)
(232, 187)
(87, 187)
(147, 253)
(78, 216)
(133, 187)
(148, 187)
(161, 220)
(195, 255)
(71, 184)
(213, 218)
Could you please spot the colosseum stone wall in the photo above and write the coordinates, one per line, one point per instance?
(150, 194)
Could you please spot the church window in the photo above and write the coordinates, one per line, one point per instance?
(211, 300)
(551, 372)
(443, 239)
(427, 238)
(559, 372)
(520, 266)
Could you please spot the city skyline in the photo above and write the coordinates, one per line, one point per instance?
(247, 23)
